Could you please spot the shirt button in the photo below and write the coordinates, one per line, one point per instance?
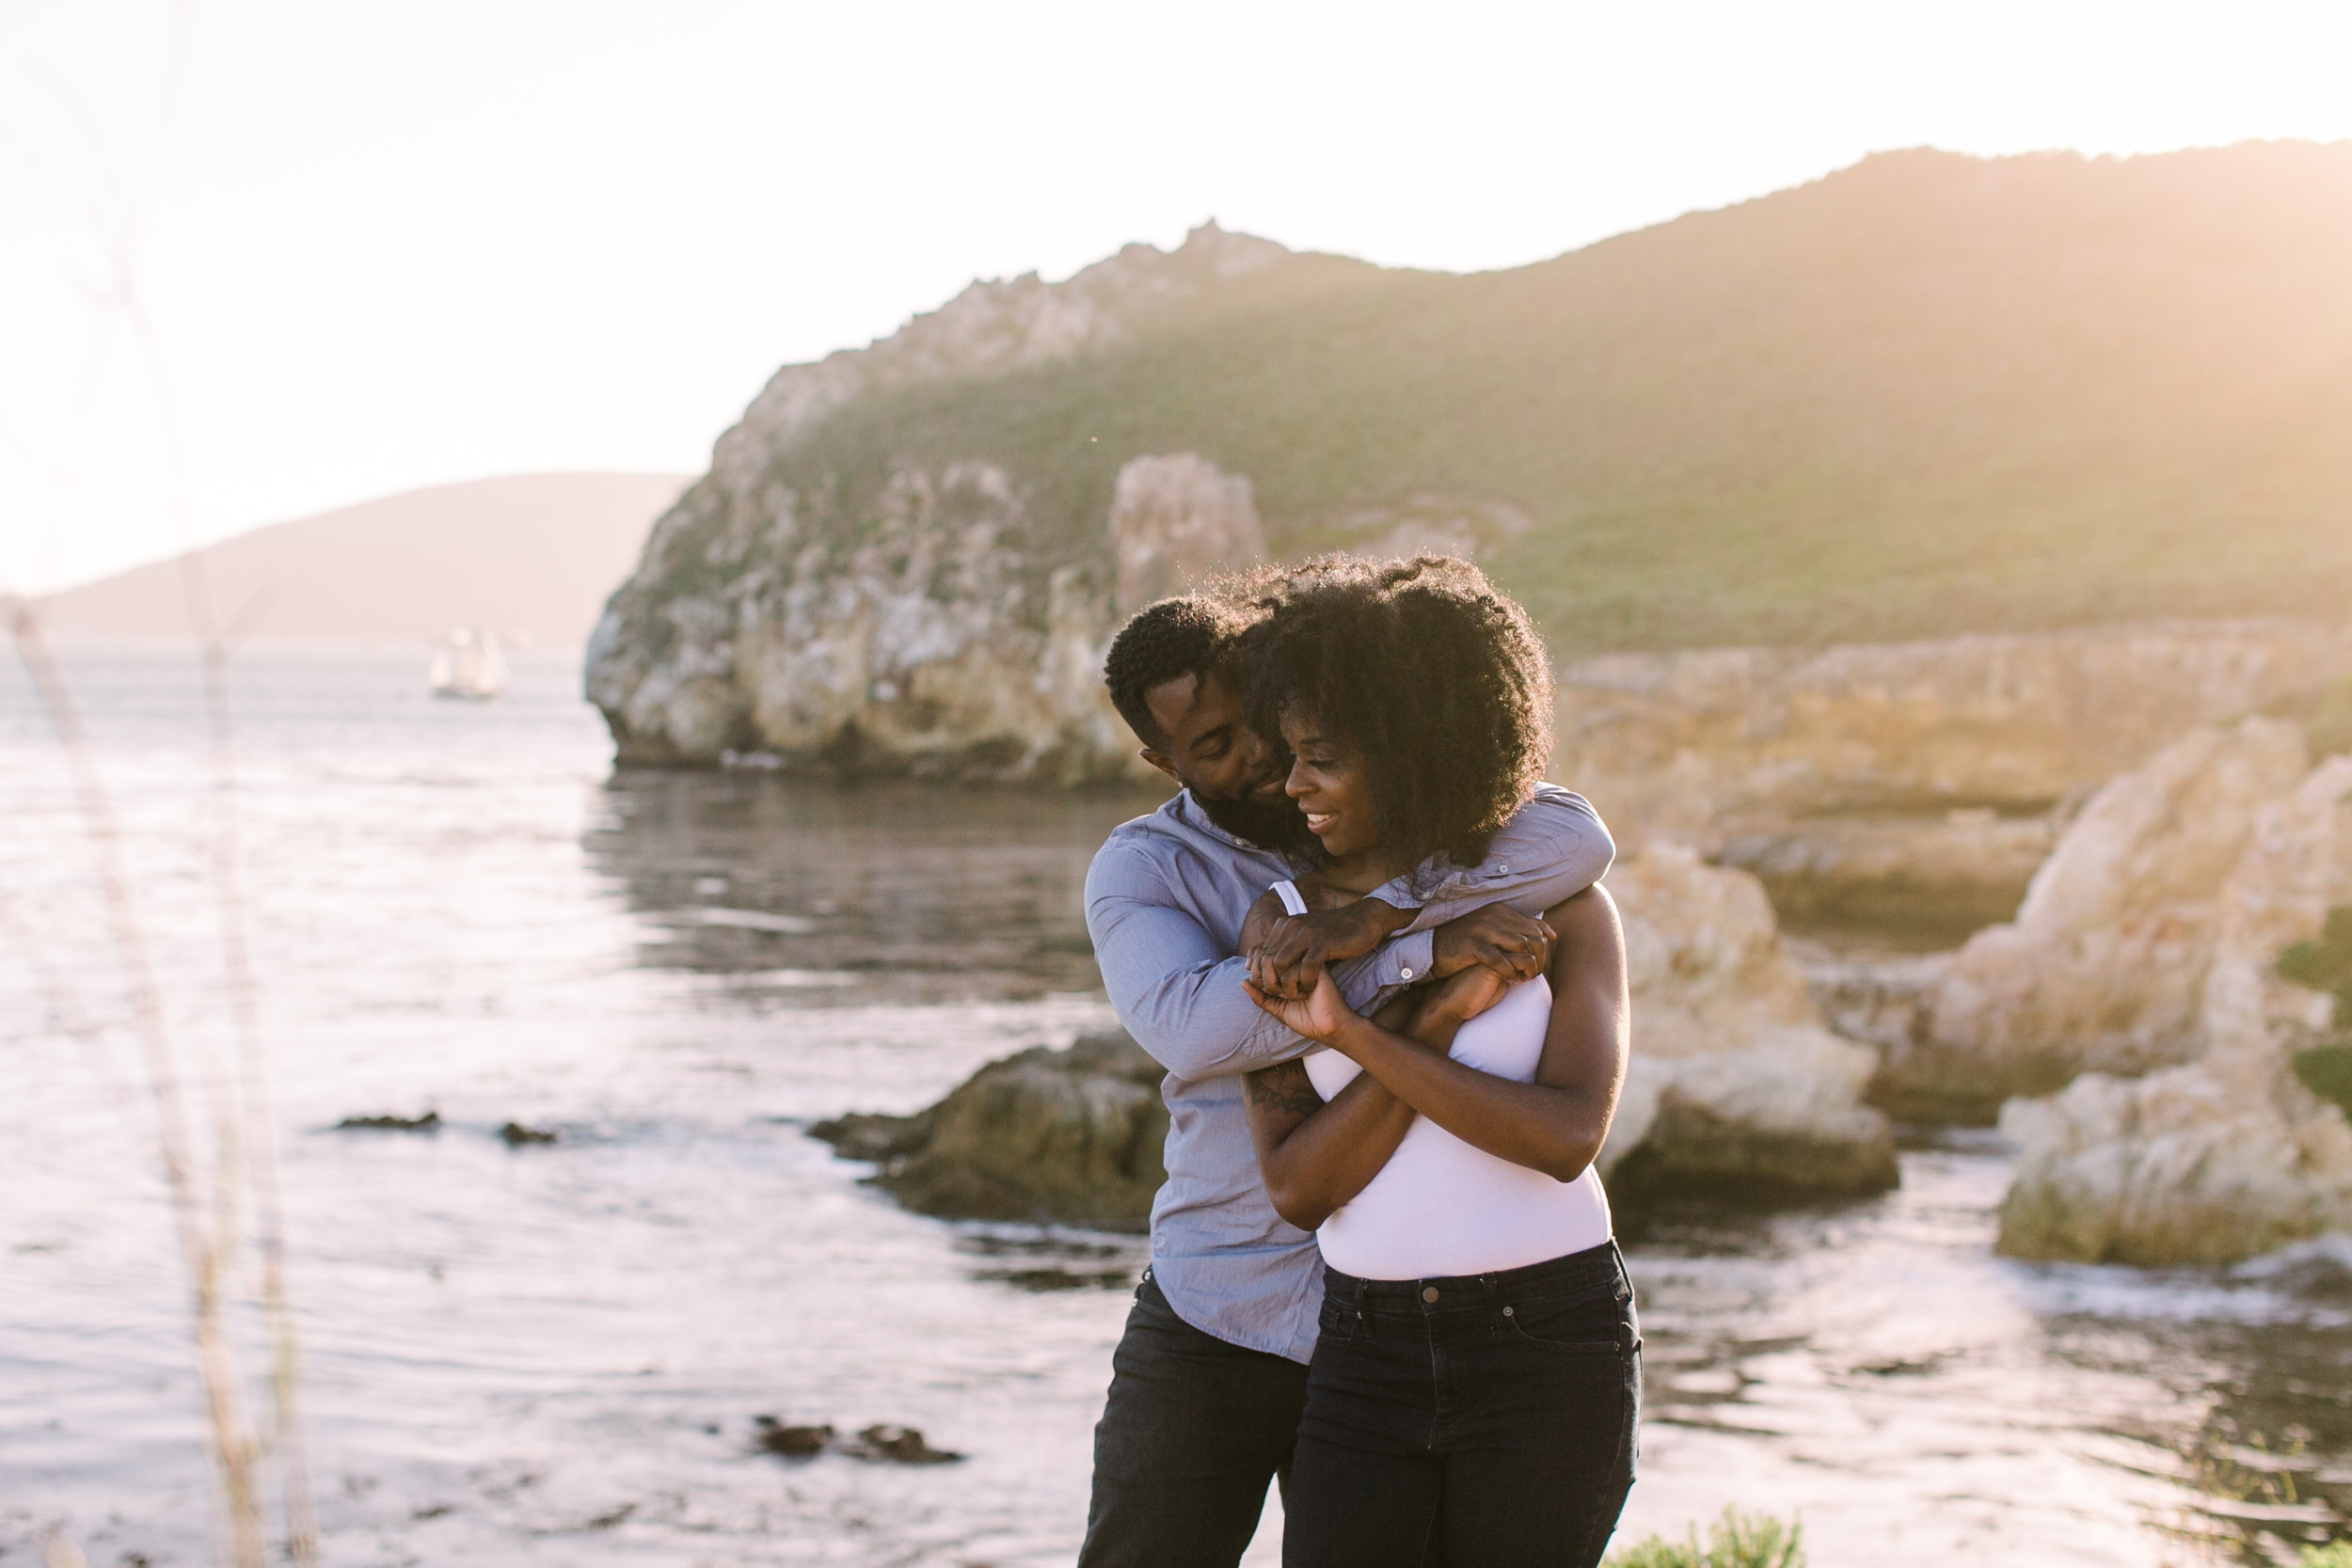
(1504, 869)
(1406, 972)
(1429, 1293)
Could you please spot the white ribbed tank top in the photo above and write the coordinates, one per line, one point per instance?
(1441, 1206)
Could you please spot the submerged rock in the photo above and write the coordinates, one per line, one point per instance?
(429, 1122)
(884, 1443)
(1069, 1138)
(897, 1445)
(790, 1442)
(1735, 1086)
(2229, 1154)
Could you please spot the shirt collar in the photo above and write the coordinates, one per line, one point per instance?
(1198, 819)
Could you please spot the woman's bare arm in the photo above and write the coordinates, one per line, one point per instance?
(1313, 1156)
(1557, 1123)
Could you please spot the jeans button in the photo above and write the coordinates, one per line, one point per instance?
(1429, 1293)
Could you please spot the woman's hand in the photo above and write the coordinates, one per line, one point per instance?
(1320, 1016)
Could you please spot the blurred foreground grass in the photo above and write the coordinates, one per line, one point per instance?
(1735, 1541)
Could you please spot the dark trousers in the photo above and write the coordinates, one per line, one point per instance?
(1479, 1422)
(1193, 1431)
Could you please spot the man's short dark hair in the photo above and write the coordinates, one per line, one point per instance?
(1166, 641)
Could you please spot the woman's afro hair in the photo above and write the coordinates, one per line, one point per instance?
(1429, 671)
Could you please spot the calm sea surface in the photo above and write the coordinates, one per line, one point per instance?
(553, 1354)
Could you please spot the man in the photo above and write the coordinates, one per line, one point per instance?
(1210, 1376)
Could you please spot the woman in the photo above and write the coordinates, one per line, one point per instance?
(1473, 1397)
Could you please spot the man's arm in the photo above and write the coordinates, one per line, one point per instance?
(1175, 988)
(1552, 848)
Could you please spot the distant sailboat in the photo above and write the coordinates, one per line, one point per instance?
(469, 665)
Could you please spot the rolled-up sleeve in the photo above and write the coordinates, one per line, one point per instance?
(1178, 992)
(1552, 848)
(1171, 982)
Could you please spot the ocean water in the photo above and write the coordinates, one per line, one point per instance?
(554, 1353)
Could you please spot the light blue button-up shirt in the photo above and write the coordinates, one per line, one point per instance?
(1165, 897)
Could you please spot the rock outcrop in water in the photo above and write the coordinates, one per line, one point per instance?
(1735, 1086)
(2231, 1153)
(1069, 1138)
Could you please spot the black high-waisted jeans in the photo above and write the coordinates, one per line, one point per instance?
(1479, 1422)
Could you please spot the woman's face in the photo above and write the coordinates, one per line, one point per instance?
(1328, 781)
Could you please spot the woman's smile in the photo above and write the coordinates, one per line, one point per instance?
(1332, 787)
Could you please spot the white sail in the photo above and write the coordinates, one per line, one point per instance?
(468, 665)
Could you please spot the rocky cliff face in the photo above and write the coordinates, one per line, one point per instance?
(935, 628)
(2105, 965)
(1921, 781)
(929, 640)
(2230, 1153)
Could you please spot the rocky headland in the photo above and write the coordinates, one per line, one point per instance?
(943, 626)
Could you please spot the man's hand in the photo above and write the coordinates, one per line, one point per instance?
(1293, 948)
(1497, 939)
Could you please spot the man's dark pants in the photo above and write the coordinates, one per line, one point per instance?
(1194, 1430)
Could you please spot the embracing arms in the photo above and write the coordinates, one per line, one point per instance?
(1555, 1125)
(1178, 990)
(1315, 1156)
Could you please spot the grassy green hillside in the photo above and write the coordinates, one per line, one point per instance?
(1930, 393)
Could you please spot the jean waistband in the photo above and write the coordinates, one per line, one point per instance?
(1600, 1265)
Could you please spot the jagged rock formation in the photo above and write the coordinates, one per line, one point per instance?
(1916, 783)
(2105, 965)
(1053, 1136)
(1175, 520)
(1735, 1085)
(931, 638)
(2229, 1154)
(1707, 744)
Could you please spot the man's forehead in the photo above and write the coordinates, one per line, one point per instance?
(1176, 701)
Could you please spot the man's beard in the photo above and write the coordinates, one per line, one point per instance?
(1278, 825)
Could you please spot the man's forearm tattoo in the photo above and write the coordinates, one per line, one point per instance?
(1285, 1088)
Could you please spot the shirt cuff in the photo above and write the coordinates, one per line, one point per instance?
(1406, 958)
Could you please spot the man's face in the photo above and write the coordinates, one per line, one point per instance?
(1232, 772)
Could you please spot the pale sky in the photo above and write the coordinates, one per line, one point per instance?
(398, 244)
